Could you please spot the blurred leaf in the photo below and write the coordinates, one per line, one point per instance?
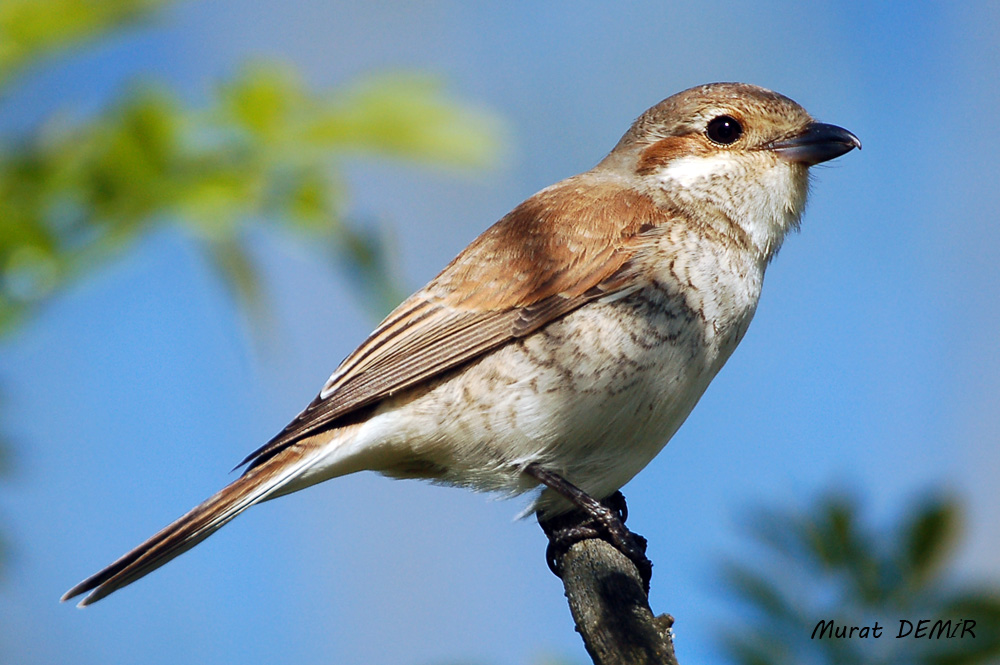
(403, 115)
(367, 259)
(829, 563)
(73, 196)
(759, 591)
(751, 649)
(928, 537)
(267, 100)
(32, 29)
(984, 609)
(231, 260)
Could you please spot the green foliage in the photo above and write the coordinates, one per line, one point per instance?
(33, 29)
(265, 147)
(828, 564)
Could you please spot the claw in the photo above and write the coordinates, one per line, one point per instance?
(604, 520)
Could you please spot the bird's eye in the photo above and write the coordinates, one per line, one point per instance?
(724, 129)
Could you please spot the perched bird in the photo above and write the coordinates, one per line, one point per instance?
(570, 340)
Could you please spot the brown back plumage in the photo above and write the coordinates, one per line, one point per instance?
(556, 255)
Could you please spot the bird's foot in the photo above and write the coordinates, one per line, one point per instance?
(604, 520)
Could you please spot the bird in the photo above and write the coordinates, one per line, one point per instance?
(563, 347)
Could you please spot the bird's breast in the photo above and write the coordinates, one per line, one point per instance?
(593, 395)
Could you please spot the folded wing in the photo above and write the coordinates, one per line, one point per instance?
(549, 256)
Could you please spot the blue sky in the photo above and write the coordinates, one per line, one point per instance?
(872, 362)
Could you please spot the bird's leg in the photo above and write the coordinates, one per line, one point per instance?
(592, 519)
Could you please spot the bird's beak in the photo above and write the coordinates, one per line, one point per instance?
(818, 143)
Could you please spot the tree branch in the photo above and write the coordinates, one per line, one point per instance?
(611, 609)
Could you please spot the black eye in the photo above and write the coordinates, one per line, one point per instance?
(724, 129)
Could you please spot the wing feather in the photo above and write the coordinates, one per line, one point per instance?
(551, 255)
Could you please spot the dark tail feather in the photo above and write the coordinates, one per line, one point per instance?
(194, 527)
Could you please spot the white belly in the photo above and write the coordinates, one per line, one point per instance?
(594, 397)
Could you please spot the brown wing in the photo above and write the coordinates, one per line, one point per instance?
(560, 249)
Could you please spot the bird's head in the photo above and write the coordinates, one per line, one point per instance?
(729, 149)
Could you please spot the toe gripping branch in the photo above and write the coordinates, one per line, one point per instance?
(604, 520)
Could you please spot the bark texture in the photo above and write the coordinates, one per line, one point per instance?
(610, 606)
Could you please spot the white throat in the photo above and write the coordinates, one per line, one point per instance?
(763, 194)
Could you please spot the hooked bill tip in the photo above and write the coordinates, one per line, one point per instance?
(819, 142)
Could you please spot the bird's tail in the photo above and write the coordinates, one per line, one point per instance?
(255, 485)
